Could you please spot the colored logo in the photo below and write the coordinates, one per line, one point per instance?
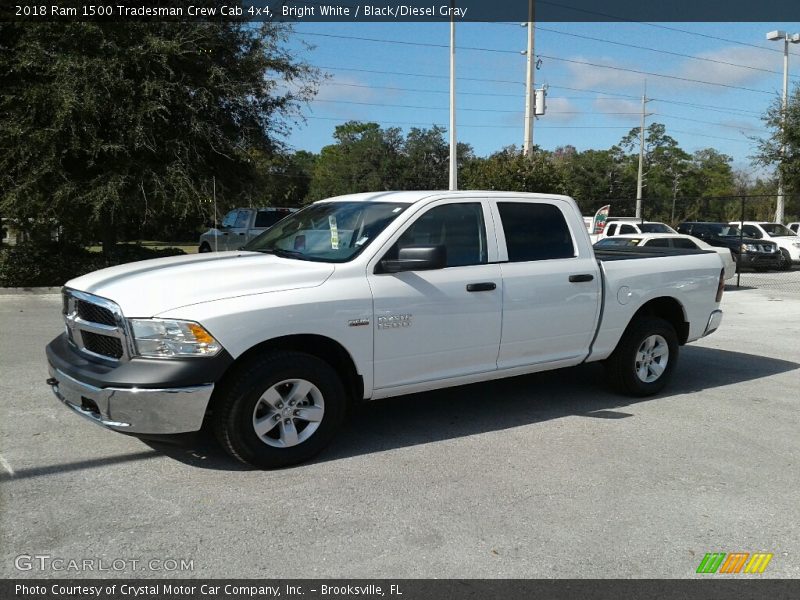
(735, 562)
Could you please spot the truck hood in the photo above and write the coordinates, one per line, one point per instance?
(150, 287)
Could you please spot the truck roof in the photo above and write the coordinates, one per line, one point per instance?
(410, 197)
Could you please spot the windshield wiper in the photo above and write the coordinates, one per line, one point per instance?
(284, 253)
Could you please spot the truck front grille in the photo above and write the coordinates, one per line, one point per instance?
(94, 313)
(95, 326)
(102, 344)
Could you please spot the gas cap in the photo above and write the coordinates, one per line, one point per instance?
(624, 294)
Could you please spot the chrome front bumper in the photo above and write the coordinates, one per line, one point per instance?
(714, 322)
(134, 410)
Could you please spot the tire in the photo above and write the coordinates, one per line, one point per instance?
(204, 247)
(626, 372)
(296, 400)
(785, 263)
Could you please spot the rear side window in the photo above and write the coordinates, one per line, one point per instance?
(684, 243)
(535, 231)
(623, 229)
(658, 243)
(268, 218)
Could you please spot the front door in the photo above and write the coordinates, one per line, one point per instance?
(437, 324)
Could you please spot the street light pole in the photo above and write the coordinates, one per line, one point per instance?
(786, 38)
(453, 139)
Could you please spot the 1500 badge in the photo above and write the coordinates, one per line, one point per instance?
(394, 321)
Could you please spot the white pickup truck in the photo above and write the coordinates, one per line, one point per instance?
(369, 296)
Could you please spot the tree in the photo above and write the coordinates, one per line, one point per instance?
(511, 170)
(105, 123)
(781, 148)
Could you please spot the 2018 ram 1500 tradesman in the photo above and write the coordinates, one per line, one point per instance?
(370, 296)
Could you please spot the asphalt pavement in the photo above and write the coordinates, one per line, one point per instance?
(549, 475)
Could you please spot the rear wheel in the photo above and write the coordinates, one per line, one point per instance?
(645, 357)
(204, 247)
(280, 409)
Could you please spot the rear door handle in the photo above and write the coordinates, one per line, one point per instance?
(487, 286)
(580, 278)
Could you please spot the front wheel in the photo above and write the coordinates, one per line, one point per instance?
(645, 357)
(280, 409)
(204, 247)
(785, 262)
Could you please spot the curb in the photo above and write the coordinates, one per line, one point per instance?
(14, 291)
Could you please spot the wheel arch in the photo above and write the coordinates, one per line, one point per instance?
(320, 346)
(669, 309)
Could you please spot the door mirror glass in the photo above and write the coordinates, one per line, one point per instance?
(416, 258)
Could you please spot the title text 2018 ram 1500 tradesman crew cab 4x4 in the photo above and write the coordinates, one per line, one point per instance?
(370, 296)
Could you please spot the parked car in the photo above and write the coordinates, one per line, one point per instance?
(370, 296)
(240, 226)
(749, 252)
(630, 226)
(787, 240)
(670, 240)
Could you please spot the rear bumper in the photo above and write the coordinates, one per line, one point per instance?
(714, 321)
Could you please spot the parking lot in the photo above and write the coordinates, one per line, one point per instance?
(549, 475)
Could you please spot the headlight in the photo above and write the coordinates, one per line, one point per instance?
(796, 244)
(165, 338)
(749, 248)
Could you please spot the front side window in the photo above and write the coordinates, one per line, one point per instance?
(535, 231)
(658, 243)
(327, 231)
(242, 219)
(229, 219)
(777, 230)
(457, 227)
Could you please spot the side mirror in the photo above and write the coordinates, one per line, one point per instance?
(416, 258)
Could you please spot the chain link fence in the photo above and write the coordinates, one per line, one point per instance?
(767, 253)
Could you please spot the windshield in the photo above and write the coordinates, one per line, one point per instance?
(776, 230)
(721, 229)
(327, 231)
(655, 228)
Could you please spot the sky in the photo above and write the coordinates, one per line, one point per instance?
(588, 106)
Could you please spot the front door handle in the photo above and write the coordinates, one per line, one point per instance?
(487, 286)
(580, 278)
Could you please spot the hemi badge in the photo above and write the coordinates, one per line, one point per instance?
(358, 322)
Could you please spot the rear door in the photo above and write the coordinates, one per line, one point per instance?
(551, 294)
(438, 324)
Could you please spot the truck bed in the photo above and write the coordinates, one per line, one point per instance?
(628, 253)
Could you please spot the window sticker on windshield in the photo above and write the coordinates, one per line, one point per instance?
(334, 233)
(362, 240)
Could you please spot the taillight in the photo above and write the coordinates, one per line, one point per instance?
(720, 285)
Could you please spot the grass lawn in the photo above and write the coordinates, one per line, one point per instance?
(188, 247)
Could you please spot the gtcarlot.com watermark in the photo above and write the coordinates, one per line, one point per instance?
(50, 563)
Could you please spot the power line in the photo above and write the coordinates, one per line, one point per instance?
(661, 51)
(567, 60)
(426, 124)
(709, 123)
(491, 110)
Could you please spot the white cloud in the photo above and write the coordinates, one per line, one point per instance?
(588, 77)
(728, 74)
(617, 105)
(560, 110)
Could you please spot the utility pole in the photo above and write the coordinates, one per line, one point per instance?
(527, 145)
(641, 156)
(453, 138)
